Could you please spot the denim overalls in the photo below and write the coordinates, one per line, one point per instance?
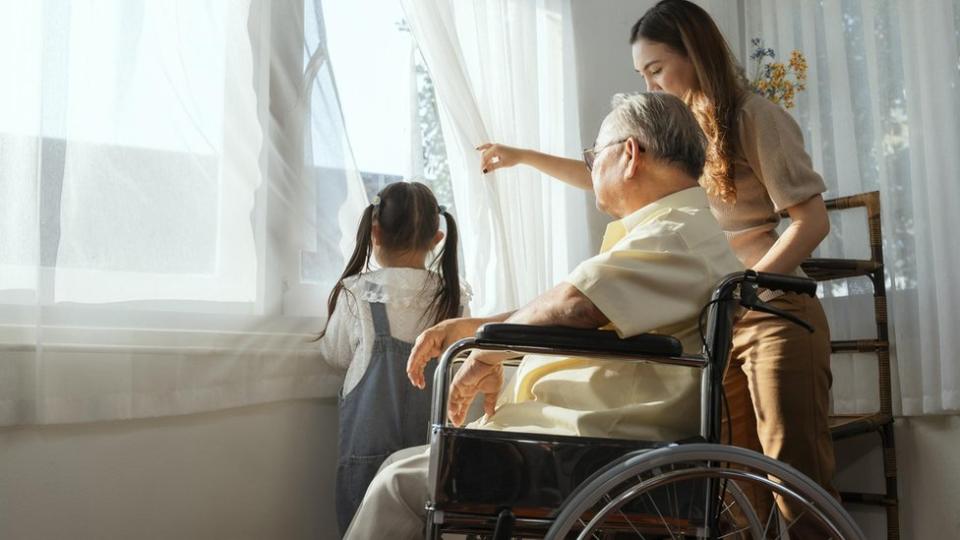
(383, 413)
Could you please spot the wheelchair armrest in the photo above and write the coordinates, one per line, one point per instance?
(594, 341)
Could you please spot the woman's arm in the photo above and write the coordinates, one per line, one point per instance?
(571, 171)
(772, 143)
(809, 225)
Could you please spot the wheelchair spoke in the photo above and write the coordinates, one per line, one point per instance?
(773, 512)
(673, 499)
(727, 507)
(792, 523)
(738, 531)
(630, 523)
(726, 510)
(584, 525)
(672, 496)
(607, 499)
(662, 519)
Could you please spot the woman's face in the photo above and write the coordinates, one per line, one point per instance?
(663, 69)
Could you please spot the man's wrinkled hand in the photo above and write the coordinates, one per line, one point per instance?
(431, 343)
(482, 373)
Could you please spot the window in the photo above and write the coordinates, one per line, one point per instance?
(150, 154)
(390, 122)
(127, 174)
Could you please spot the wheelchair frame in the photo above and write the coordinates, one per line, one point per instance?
(538, 340)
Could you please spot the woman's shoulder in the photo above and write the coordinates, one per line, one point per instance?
(760, 113)
(762, 122)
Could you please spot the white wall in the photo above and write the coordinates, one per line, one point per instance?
(929, 462)
(257, 472)
(603, 67)
(928, 474)
(601, 31)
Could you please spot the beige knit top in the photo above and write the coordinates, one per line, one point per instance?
(772, 172)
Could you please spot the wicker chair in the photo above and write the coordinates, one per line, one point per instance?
(880, 421)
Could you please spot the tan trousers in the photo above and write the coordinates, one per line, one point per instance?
(778, 390)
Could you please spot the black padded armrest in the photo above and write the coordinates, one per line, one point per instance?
(599, 341)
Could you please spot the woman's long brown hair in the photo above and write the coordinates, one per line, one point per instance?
(409, 217)
(689, 30)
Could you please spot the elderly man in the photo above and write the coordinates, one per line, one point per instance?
(657, 266)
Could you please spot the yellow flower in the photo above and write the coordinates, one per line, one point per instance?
(797, 59)
(799, 65)
(777, 71)
(780, 82)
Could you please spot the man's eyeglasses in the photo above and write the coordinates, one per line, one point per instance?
(590, 154)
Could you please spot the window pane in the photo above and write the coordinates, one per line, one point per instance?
(374, 113)
(122, 149)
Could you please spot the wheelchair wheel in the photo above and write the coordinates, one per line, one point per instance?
(701, 491)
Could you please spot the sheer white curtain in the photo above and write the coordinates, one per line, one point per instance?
(503, 73)
(160, 197)
(882, 111)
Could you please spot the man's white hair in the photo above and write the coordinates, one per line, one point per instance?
(663, 125)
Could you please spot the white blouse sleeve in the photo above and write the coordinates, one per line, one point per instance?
(340, 342)
(466, 295)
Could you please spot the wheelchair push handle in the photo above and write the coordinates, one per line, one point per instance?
(779, 282)
(751, 300)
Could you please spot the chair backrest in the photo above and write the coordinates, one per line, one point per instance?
(824, 269)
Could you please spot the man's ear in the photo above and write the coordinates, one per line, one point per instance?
(436, 239)
(635, 156)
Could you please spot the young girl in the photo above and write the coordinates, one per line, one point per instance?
(373, 316)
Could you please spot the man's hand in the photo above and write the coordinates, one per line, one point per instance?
(433, 341)
(482, 372)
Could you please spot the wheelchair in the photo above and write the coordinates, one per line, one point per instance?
(501, 485)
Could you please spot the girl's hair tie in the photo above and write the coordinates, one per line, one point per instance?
(442, 208)
(376, 201)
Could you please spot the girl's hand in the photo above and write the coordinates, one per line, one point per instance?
(482, 372)
(495, 156)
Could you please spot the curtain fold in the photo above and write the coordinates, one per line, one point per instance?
(501, 75)
(882, 112)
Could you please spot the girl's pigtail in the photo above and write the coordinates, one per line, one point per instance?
(358, 261)
(447, 300)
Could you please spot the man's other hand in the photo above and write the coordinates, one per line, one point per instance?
(482, 372)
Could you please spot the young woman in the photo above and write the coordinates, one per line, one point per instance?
(778, 379)
(373, 316)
